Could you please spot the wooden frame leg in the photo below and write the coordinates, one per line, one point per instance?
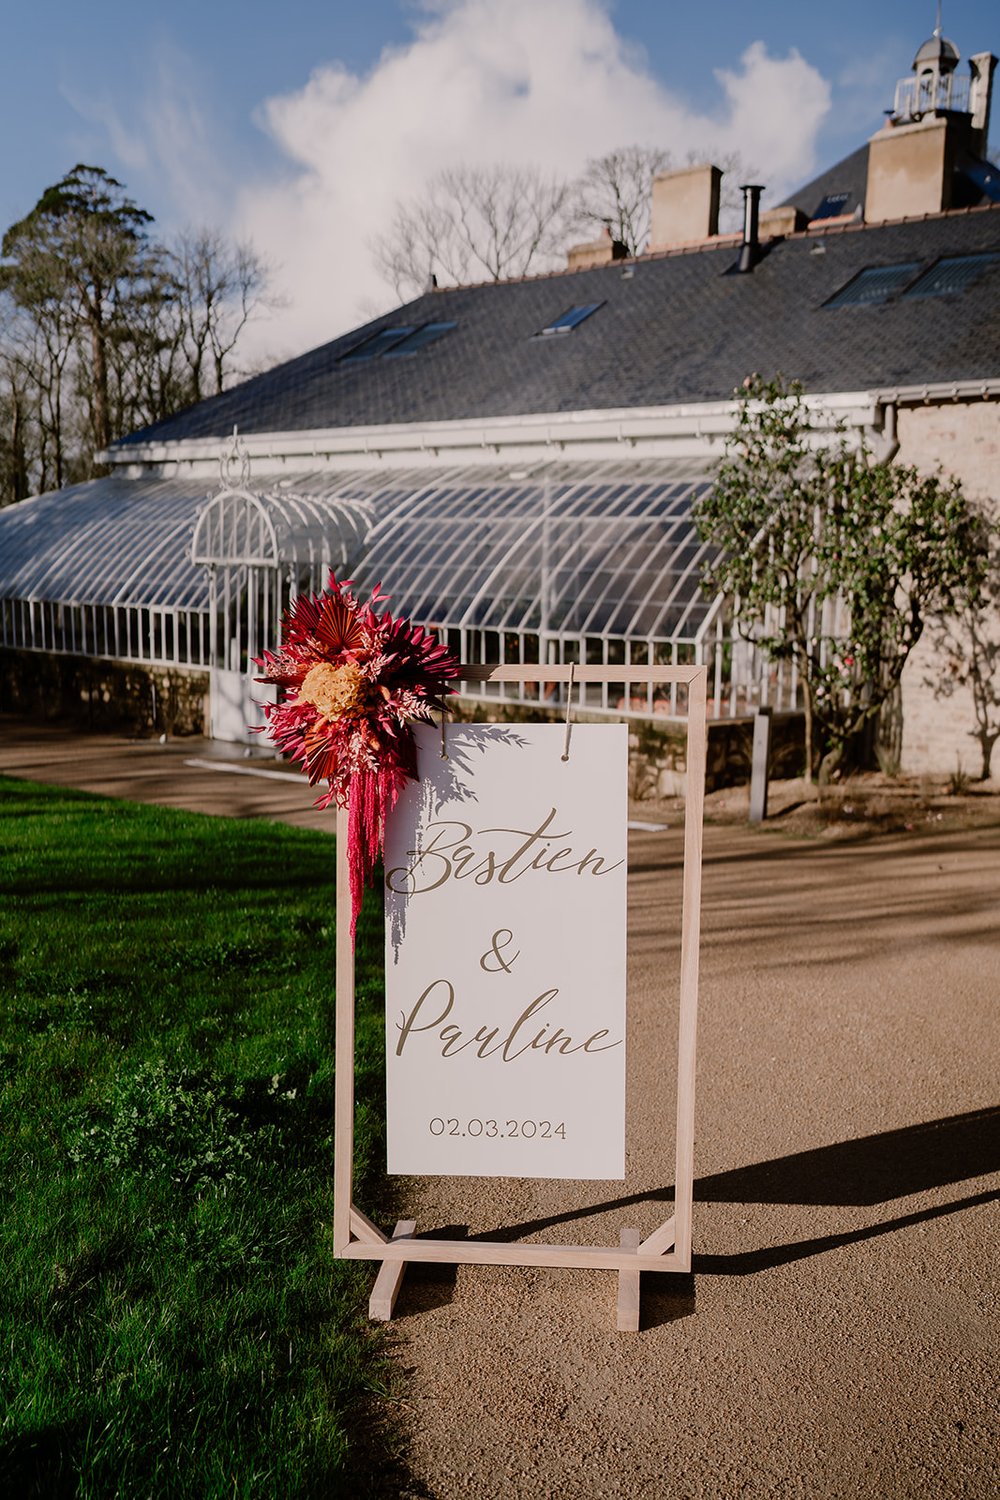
(390, 1277)
(628, 1287)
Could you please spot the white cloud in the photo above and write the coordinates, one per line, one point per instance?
(547, 82)
(100, 111)
(164, 135)
(776, 106)
(541, 82)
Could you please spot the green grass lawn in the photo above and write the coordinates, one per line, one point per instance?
(173, 1321)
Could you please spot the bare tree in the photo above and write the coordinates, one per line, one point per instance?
(220, 285)
(15, 430)
(104, 329)
(35, 354)
(491, 223)
(476, 224)
(148, 369)
(615, 191)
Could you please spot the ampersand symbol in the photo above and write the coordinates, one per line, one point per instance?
(500, 939)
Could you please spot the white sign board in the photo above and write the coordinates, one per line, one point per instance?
(505, 908)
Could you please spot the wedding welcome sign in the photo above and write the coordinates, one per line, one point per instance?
(505, 906)
(504, 854)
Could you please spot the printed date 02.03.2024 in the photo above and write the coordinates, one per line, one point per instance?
(500, 1130)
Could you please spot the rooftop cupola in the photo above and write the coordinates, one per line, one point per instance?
(937, 52)
(935, 86)
(939, 122)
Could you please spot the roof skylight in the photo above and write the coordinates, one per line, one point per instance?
(953, 273)
(378, 343)
(874, 284)
(832, 206)
(569, 320)
(986, 177)
(427, 333)
(403, 338)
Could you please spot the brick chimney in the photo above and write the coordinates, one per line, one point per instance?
(599, 252)
(910, 169)
(981, 69)
(685, 207)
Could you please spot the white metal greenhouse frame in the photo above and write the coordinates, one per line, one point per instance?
(595, 562)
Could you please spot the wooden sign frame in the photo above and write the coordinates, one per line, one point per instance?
(668, 1248)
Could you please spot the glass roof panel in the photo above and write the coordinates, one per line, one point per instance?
(123, 541)
(573, 548)
(566, 549)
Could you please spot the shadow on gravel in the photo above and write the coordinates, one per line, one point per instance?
(746, 1263)
(861, 1173)
(871, 1169)
(667, 1299)
(777, 847)
(432, 1283)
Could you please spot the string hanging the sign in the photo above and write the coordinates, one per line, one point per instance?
(569, 710)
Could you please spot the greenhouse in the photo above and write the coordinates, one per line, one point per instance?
(560, 562)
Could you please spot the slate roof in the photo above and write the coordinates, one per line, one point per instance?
(849, 176)
(976, 184)
(672, 328)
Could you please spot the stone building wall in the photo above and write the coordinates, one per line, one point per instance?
(961, 438)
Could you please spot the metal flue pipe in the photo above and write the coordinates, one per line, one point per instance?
(750, 248)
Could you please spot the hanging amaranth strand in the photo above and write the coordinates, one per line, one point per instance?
(354, 681)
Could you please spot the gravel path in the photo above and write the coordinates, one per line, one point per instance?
(839, 1335)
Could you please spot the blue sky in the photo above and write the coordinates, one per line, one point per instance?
(299, 123)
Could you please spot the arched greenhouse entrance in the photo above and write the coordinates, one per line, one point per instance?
(260, 549)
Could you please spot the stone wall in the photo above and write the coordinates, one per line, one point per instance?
(961, 438)
(657, 764)
(129, 698)
(124, 697)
